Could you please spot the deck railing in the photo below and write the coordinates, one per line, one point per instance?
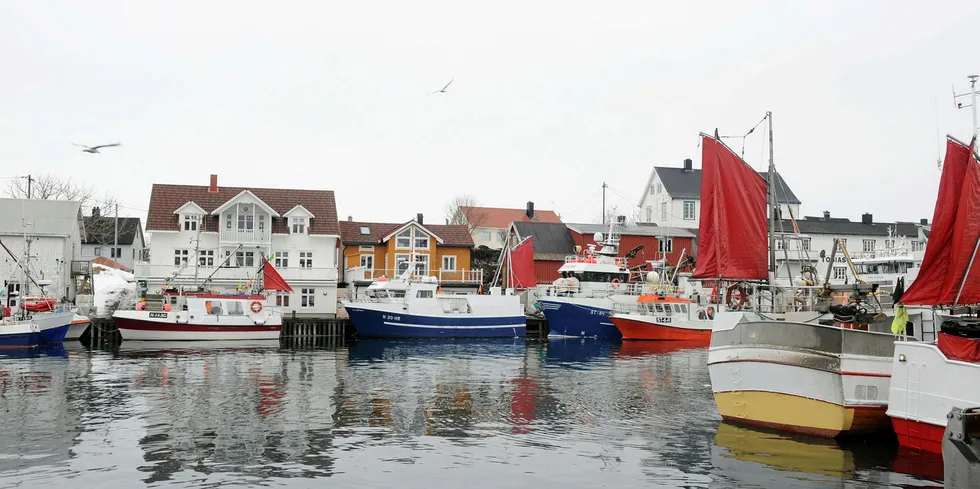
(245, 235)
(364, 274)
(146, 271)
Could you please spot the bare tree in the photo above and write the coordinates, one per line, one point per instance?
(100, 227)
(466, 210)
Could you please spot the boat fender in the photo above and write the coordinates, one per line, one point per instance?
(615, 283)
(256, 307)
(733, 301)
(166, 307)
(711, 312)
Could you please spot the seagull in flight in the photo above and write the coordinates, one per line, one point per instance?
(95, 149)
(443, 88)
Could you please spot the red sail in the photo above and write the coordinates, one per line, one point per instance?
(732, 236)
(966, 232)
(522, 266)
(935, 280)
(271, 280)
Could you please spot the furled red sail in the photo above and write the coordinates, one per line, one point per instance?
(522, 266)
(732, 236)
(953, 237)
(271, 280)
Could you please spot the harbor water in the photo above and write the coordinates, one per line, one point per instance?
(427, 414)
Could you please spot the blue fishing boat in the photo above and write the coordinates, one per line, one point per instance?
(19, 335)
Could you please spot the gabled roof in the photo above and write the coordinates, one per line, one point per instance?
(407, 225)
(841, 226)
(299, 210)
(166, 198)
(656, 231)
(190, 206)
(455, 235)
(45, 217)
(246, 193)
(101, 230)
(497, 217)
(551, 241)
(681, 184)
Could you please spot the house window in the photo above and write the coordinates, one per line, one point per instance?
(840, 273)
(484, 235)
(689, 210)
(782, 244)
(649, 214)
(403, 240)
(249, 258)
(97, 251)
(299, 225)
(651, 188)
(663, 211)
(115, 252)
(239, 259)
(180, 256)
(889, 244)
(282, 300)
(367, 261)
(449, 263)
(282, 259)
(365, 230)
(401, 263)
(306, 259)
(306, 297)
(261, 218)
(190, 222)
(843, 242)
(228, 220)
(421, 240)
(869, 245)
(666, 245)
(805, 243)
(366, 248)
(206, 258)
(917, 246)
(422, 265)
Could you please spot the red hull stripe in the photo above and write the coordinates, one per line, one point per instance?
(638, 330)
(200, 328)
(864, 374)
(919, 436)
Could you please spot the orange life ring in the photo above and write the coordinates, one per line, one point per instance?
(615, 283)
(256, 306)
(735, 303)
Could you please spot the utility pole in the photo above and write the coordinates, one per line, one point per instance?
(973, 101)
(29, 181)
(604, 203)
(115, 242)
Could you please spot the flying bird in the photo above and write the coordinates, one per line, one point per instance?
(95, 149)
(443, 88)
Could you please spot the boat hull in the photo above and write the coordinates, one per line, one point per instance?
(925, 387)
(800, 377)
(53, 326)
(579, 320)
(138, 326)
(19, 336)
(380, 323)
(77, 328)
(644, 327)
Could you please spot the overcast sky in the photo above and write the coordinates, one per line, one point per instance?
(549, 98)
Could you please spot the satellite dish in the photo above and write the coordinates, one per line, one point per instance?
(597, 237)
(823, 253)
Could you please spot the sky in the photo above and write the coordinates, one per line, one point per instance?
(550, 99)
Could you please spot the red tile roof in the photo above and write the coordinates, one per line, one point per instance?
(166, 198)
(496, 217)
(451, 234)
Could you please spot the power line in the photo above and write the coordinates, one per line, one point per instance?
(586, 202)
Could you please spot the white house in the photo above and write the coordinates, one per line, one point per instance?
(216, 237)
(120, 238)
(672, 197)
(490, 224)
(54, 228)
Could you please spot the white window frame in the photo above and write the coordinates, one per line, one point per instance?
(652, 187)
(306, 259)
(282, 259)
(404, 235)
(369, 259)
(368, 248)
(190, 222)
(206, 258)
(97, 251)
(298, 225)
(840, 273)
(449, 263)
(889, 244)
(306, 297)
(663, 211)
(486, 236)
(249, 258)
(399, 259)
(418, 236)
(365, 229)
(868, 245)
(805, 244)
(665, 245)
(422, 259)
(181, 256)
(282, 299)
(917, 245)
(229, 220)
(693, 208)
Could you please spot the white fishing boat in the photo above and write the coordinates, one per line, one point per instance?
(49, 315)
(406, 308)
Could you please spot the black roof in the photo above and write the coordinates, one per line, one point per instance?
(681, 184)
(551, 240)
(101, 230)
(843, 226)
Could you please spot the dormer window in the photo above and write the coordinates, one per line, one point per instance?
(299, 225)
(365, 230)
(190, 222)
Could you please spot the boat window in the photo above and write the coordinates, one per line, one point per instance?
(398, 294)
(659, 308)
(234, 308)
(683, 308)
(677, 308)
(424, 294)
(213, 307)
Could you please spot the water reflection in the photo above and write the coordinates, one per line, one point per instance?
(509, 412)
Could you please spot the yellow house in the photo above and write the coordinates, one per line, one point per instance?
(375, 249)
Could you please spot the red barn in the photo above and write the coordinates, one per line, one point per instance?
(657, 242)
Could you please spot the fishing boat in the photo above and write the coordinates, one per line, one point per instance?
(784, 356)
(663, 314)
(931, 378)
(580, 302)
(18, 334)
(407, 308)
(200, 315)
(47, 314)
(79, 323)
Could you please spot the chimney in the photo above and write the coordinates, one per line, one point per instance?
(688, 164)
(96, 212)
(418, 218)
(826, 214)
(866, 218)
(924, 222)
(213, 189)
(621, 220)
(350, 218)
(529, 210)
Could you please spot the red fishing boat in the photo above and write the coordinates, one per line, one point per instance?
(664, 317)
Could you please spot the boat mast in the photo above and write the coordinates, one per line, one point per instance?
(773, 205)
(604, 201)
(197, 246)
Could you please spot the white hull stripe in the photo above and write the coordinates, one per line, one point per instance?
(426, 326)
